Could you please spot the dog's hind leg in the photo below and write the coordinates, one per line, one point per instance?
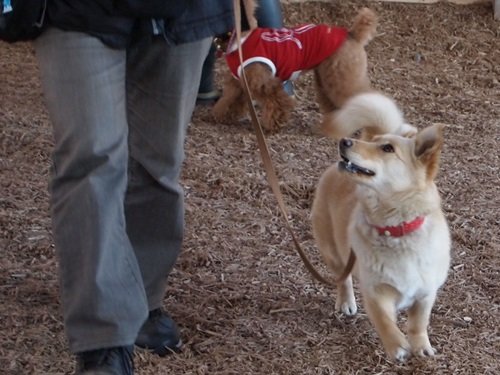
(325, 104)
(346, 301)
(231, 105)
(324, 236)
(343, 75)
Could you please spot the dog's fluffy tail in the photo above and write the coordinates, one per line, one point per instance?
(364, 26)
(371, 113)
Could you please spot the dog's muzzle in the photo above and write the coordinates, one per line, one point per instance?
(345, 164)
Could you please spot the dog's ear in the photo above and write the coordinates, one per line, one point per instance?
(428, 144)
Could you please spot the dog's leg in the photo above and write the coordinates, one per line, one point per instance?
(323, 234)
(268, 91)
(231, 105)
(346, 301)
(380, 306)
(325, 104)
(343, 75)
(418, 320)
(277, 108)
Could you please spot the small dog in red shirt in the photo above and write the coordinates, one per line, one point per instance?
(273, 56)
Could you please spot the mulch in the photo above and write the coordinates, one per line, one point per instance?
(240, 294)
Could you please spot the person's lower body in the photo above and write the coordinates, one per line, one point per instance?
(207, 91)
(119, 121)
(270, 14)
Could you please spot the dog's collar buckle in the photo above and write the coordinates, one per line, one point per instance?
(402, 229)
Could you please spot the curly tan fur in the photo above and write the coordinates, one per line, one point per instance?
(339, 77)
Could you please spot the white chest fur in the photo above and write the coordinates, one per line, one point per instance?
(416, 264)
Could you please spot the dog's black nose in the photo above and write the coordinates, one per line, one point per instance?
(346, 143)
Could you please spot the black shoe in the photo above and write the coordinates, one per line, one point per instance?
(110, 361)
(159, 334)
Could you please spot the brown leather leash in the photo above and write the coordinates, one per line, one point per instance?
(268, 164)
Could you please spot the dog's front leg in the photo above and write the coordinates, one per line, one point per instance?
(380, 305)
(276, 108)
(418, 321)
(232, 103)
(268, 90)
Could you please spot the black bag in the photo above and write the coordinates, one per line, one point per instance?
(21, 20)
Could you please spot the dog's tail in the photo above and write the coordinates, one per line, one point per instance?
(364, 26)
(371, 113)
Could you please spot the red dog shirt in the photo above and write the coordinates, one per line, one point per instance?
(286, 51)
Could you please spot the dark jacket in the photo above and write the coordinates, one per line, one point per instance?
(117, 22)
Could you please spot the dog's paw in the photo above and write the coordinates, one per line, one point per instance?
(347, 307)
(345, 301)
(219, 112)
(421, 346)
(400, 354)
(424, 351)
(398, 349)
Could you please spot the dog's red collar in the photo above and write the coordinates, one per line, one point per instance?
(401, 229)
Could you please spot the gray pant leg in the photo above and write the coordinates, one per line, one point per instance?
(103, 298)
(162, 85)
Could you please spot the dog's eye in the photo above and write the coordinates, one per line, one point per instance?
(387, 148)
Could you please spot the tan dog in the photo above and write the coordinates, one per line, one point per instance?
(381, 201)
(339, 74)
